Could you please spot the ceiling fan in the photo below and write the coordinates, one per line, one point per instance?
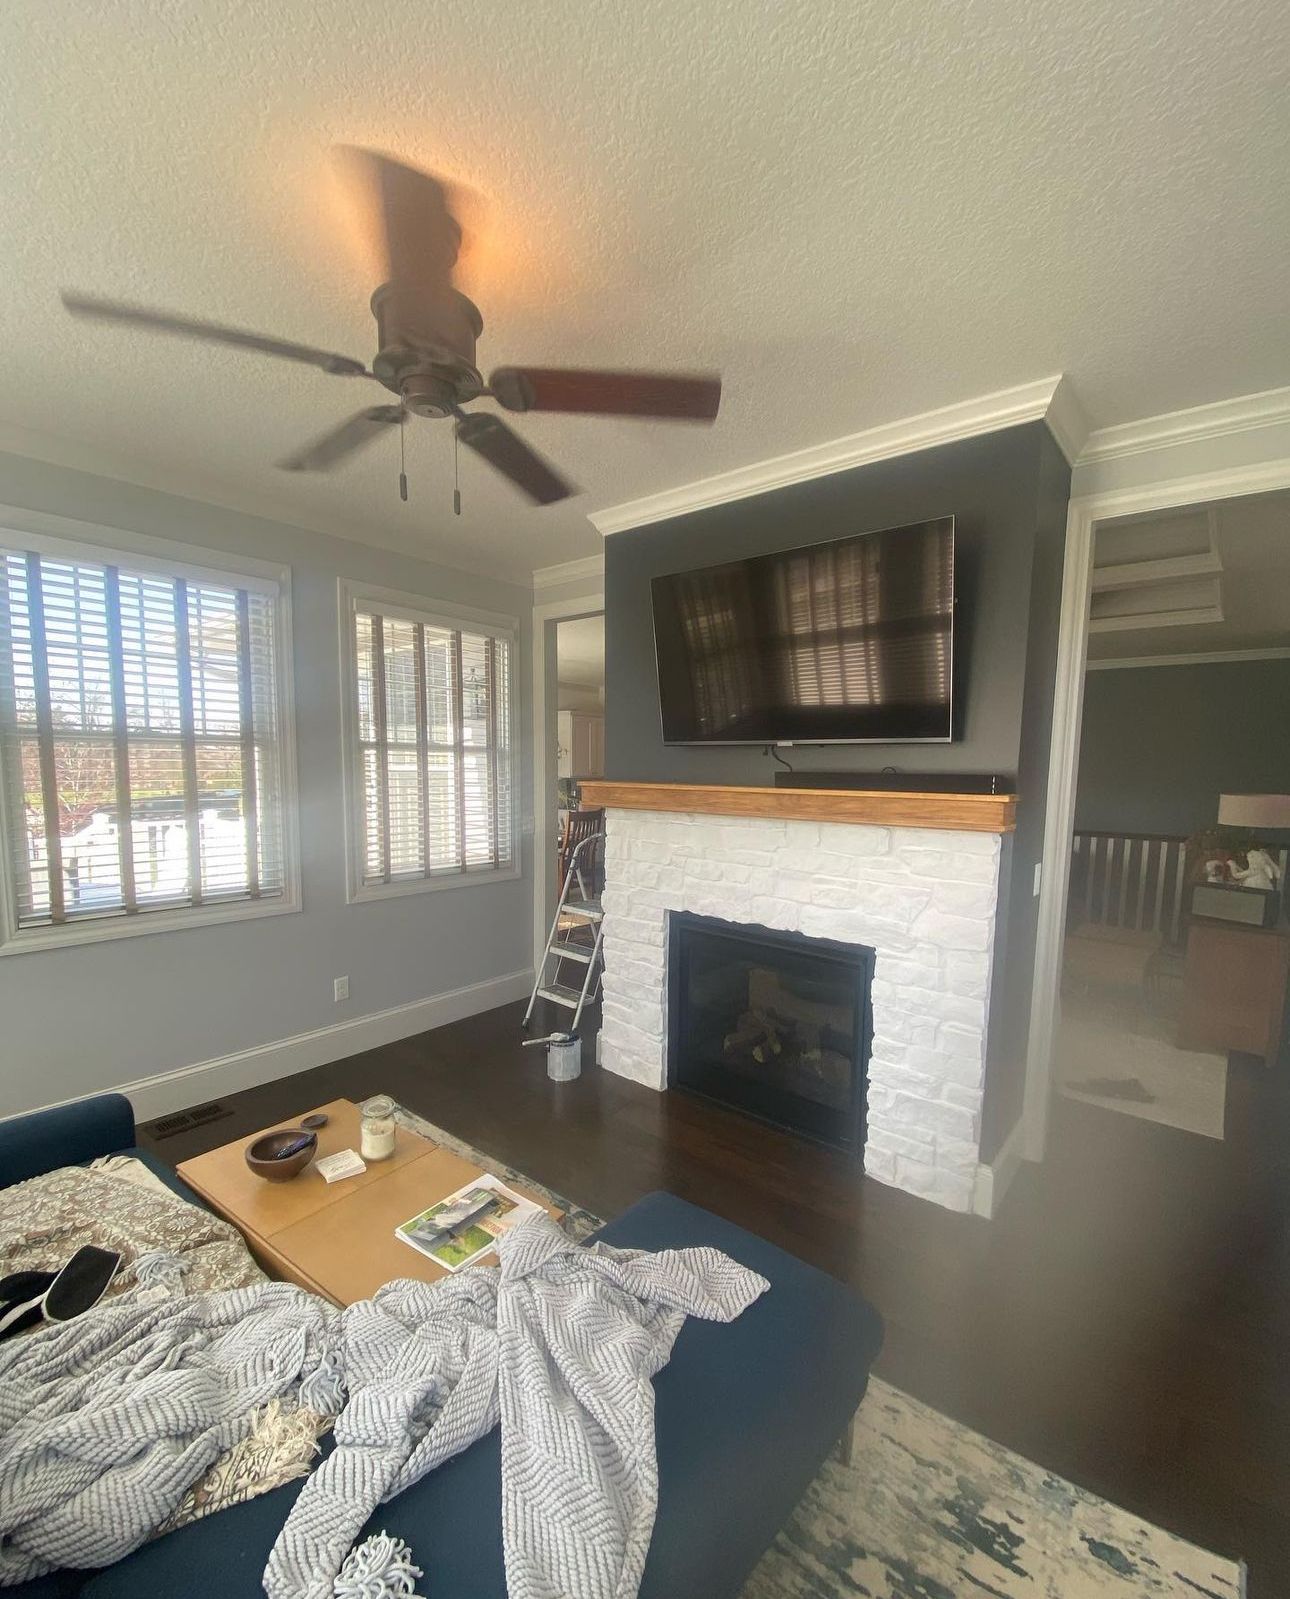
(426, 332)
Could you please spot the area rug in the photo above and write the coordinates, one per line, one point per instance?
(929, 1509)
(1116, 1052)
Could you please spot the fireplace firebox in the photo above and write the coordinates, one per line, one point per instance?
(771, 1023)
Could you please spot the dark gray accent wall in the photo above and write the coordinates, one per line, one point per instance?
(1007, 493)
(1160, 743)
(989, 485)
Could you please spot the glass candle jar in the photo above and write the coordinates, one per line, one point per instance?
(376, 1137)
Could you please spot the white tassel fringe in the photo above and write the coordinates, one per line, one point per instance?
(379, 1568)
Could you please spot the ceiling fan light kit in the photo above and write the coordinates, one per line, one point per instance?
(426, 333)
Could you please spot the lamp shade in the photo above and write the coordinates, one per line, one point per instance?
(1254, 810)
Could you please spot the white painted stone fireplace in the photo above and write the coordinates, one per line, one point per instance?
(922, 898)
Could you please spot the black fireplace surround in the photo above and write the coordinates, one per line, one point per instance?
(771, 1023)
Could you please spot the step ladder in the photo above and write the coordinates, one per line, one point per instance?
(577, 905)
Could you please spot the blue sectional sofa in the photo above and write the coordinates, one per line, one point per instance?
(746, 1414)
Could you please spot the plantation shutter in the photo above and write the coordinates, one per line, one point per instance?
(434, 747)
(138, 739)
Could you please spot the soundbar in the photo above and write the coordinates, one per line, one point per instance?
(902, 782)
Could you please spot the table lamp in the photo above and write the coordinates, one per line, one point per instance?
(1254, 811)
(1253, 899)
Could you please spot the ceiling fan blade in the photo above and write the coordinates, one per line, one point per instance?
(505, 450)
(89, 306)
(688, 397)
(405, 215)
(342, 441)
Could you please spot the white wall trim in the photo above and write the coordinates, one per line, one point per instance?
(994, 1177)
(228, 1074)
(1140, 621)
(350, 595)
(1066, 420)
(1028, 402)
(1161, 569)
(70, 538)
(550, 577)
(1068, 705)
(1200, 658)
(1238, 415)
(544, 698)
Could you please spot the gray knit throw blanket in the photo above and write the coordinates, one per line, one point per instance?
(560, 1343)
(107, 1421)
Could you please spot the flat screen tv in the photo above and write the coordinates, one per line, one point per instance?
(846, 642)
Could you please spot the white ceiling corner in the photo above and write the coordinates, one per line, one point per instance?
(1066, 420)
(855, 213)
(586, 569)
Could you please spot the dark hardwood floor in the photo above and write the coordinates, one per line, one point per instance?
(1125, 1321)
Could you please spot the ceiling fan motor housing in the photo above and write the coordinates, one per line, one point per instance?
(426, 338)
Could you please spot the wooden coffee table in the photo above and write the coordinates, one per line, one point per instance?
(336, 1239)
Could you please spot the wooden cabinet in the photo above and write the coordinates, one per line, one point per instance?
(580, 741)
(1234, 988)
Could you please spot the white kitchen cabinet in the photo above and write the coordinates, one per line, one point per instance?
(580, 737)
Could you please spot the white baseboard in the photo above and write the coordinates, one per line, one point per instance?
(227, 1074)
(993, 1178)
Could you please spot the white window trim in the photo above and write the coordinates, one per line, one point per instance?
(351, 596)
(67, 538)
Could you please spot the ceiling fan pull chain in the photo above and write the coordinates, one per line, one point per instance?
(403, 475)
(456, 481)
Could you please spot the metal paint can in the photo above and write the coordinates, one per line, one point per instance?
(563, 1057)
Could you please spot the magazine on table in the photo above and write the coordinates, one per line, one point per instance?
(467, 1223)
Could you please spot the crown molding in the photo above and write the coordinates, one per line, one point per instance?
(1066, 420)
(1239, 415)
(1199, 658)
(550, 577)
(1048, 400)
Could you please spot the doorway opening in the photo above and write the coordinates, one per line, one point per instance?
(1176, 952)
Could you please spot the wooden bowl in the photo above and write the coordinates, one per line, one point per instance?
(261, 1152)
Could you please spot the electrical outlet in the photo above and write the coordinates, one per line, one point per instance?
(1039, 873)
(340, 989)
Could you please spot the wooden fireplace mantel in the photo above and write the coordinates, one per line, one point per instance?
(969, 813)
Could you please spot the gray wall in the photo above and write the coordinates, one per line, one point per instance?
(1008, 493)
(84, 1018)
(989, 485)
(1160, 743)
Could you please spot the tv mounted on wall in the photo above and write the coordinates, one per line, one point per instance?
(850, 641)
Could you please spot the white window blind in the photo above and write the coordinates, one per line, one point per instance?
(433, 758)
(139, 740)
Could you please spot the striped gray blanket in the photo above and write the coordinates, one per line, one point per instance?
(100, 1419)
(107, 1421)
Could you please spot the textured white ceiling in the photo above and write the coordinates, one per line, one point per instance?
(857, 211)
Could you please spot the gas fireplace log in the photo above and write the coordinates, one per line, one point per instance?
(768, 993)
(758, 1033)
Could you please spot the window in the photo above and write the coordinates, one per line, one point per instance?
(140, 743)
(430, 745)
